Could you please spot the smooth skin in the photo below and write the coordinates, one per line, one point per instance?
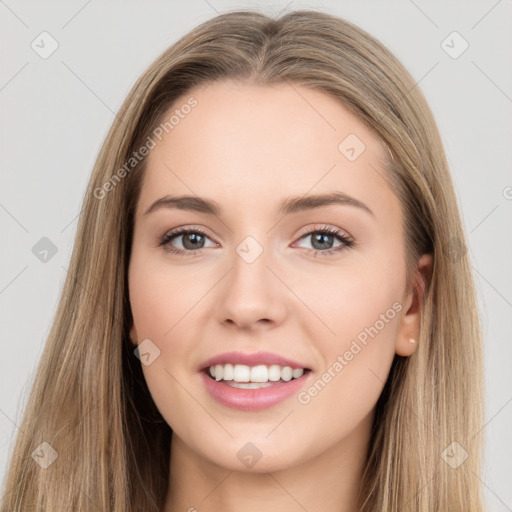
(248, 148)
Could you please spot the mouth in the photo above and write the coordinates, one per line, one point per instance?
(252, 382)
(242, 376)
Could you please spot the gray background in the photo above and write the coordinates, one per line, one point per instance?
(56, 112)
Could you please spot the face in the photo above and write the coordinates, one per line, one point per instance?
(314, 292)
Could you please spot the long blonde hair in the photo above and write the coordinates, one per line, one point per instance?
(89, 400)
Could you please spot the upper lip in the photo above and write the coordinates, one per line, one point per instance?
(251, 359)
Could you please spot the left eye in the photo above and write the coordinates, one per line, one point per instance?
(322, 240)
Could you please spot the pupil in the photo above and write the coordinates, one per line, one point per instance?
(193, 238)
(320, 239)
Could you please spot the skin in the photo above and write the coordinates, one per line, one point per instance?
(262, 145)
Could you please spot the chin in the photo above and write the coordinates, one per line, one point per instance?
(256, 456)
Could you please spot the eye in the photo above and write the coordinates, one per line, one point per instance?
(322, 240)
(193, 239)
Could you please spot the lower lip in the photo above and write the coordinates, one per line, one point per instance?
(253, 399)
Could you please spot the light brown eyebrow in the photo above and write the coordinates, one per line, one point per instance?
(288, 206)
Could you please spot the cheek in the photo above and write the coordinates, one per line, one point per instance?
(165, 304)
(364, 315)
(160, 297)
(352, 300)
(360, 307)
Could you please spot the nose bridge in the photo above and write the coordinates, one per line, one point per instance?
(250, 261)
(251, 249)
(251, 292)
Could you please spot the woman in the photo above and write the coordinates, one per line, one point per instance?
(202, 357)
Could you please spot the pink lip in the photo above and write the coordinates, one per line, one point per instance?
(253, 399)
(253, 359)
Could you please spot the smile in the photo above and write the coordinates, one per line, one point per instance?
(252, 382)
(254, 377)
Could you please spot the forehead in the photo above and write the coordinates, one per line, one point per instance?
(244, 144)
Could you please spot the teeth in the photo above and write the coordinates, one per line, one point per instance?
(241, 373)
(258, 375)
(249, 385)
(298, 372)
(274, 372)
(229, 373)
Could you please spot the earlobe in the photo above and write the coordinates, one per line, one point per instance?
(406, 347)
(409, 330)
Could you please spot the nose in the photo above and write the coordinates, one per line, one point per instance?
(251, 296)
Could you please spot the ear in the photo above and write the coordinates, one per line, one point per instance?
(133, 335)
(409, 329)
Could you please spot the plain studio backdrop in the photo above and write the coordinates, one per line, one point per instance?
(67, 66)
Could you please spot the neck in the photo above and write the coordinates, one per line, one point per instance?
(329, 482)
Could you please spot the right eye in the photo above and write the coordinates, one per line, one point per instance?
(192, 240)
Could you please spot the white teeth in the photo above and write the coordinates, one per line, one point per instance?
(298, 372)
(274, 372)
(259, 375)
(241, 373)
(229, 373)
(286, 373)
(249, 385)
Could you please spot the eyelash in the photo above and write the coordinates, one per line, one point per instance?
(168, 237)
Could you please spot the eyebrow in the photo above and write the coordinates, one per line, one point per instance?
(288, 206)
